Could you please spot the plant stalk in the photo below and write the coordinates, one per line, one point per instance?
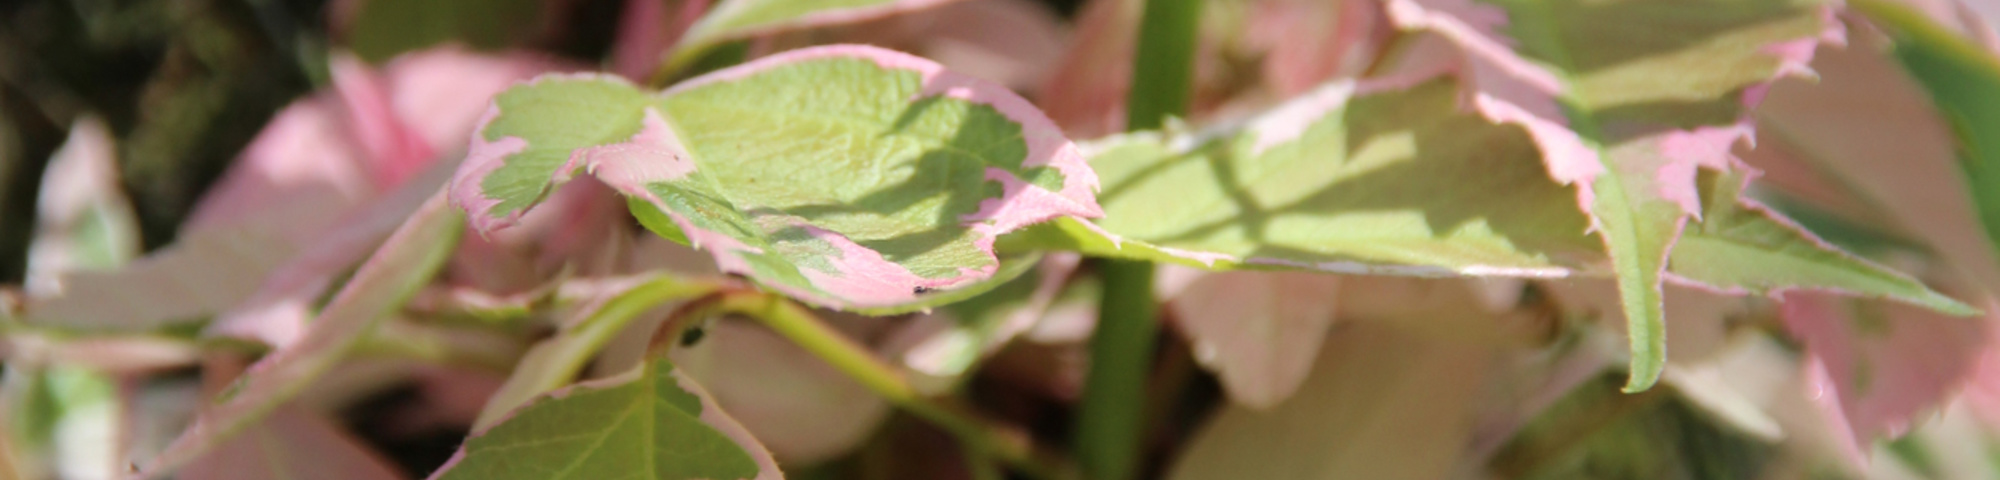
(1111, 420)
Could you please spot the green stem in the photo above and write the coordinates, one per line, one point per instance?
(1163, 64)
(1111, 419)
(1110, 422)
(561, 358)
(807, 331)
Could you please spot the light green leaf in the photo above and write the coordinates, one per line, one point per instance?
(848, 176)
(1388, 180)
(1742, 246)
(651, 423)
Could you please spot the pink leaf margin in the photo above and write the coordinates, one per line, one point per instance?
(1507, 88)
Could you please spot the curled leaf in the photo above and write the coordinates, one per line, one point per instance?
(847, 176)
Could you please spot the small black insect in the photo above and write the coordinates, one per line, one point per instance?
(920, 290)
(692, 336)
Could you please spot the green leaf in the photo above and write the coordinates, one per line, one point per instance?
(850, 177)
(651, 423)
(1627, 99)
(1354, 179)
(1741, 246)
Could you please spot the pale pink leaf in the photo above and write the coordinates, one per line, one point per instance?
(1380, 403)
(1874, 366)
(292, 444)
(1086, 93)
(406, 260)
(1311, 42)
(797, 405)
(1258, 331)
(83, 220)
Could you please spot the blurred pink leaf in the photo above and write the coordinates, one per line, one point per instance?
(407, 260)
(647, 30)
(319, 187)
(1258, 331)
(1873, 365)
(82, 219)
(292, 444)
(798, 406)
(1086, 93)
(1382, 402)
(1864, 141)
(1314, 41)
(204, 273)
(1015, 43)
(327, 154)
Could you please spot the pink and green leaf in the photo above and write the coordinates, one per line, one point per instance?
(1865, 143)
(651, 423)
(847, 176)
(1961, 79)
(1740, 246)
(1627, 114)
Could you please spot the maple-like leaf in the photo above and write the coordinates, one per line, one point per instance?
(1626, 115)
